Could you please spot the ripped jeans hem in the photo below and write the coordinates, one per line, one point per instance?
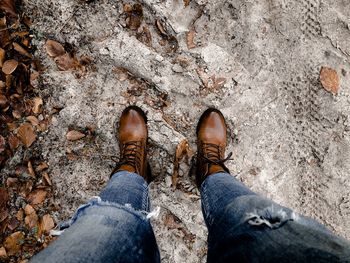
(97, 201)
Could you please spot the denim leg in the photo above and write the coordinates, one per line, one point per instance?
(246, 227)
(127, 188)
(113, 228)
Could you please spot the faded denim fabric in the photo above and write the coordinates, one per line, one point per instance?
(111, 228)
(245, 227)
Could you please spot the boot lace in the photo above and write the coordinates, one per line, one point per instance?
(130, 155)
(211, 153)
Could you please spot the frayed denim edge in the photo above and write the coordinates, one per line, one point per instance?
(97, 201)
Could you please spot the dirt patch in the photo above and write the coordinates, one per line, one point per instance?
(257, 62)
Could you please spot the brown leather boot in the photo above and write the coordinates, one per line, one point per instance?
(211, 144)
(132, 142)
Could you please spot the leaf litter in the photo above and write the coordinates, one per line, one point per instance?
(26, 201)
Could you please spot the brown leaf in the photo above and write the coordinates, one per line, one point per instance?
(26, 134)
(54, 49)
(66, 62)
(3, 102)
(186, 2)
(47, 224)
(182, 150)
(8, 6)
(2, 144)
(329, 80)
(74, 135)
(135, 16)
(37, 197)
(47, 178)
(31, 220)
(21, 50)
(14, 242)
(4, 33)
(20, 215)
(3, 253)
(145, 36)
(190, 39)
(4, 197)
(38, 102)
(42, 166)
(9, 66)
(11, 182)
(13, 223)
(2, 57)
(13, 141)
(33, 120)
(28, 209)
(30, 169)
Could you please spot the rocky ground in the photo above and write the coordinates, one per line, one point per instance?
(259, 62)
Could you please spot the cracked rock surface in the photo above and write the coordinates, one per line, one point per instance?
(257, 61)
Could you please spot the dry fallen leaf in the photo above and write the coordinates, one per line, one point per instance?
(2, 144)
(54, 49)
(31, 220)
(38, 102)
(13, 141)
(28, 209)
(190, 39)
(47, 178)
(47, 224)
(14, 242)
(186, 2)
(37, 197)
(66, 62)
(2, 57)
(21, 50)
(8, 6)
(74, 135)
(20, 215)
(3, 253)
(9, 66)
(26, 134)
(182, 150)
(329, 80)
(42, 166)
(3, 102)
(135, 16)
(30, 169)
(33, 120)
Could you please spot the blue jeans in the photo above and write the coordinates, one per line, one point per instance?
(243, 227)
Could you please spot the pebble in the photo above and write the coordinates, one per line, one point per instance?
(177, 68)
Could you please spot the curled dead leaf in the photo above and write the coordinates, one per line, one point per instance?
(26, 134)
(8, 6)
(28, 209)
(54, 49)
(329, 80)
(31, 220)
(9, 66)
(135, 16)
(30, 169)
(13, 141)
(21, 50)
(13, 243)
(47, 224)
(3, 102)
(2, 57)
(42, 166)
(33, 120)
(47, 178)
(66, 62)
(3, 253)
(2, 144)
(37, 197)
(37, 104)
(182, 151)
(74, 135)
(160, 27)
(190, 39)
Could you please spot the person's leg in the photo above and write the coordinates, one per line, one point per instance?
(112, 228)
(246, 227)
